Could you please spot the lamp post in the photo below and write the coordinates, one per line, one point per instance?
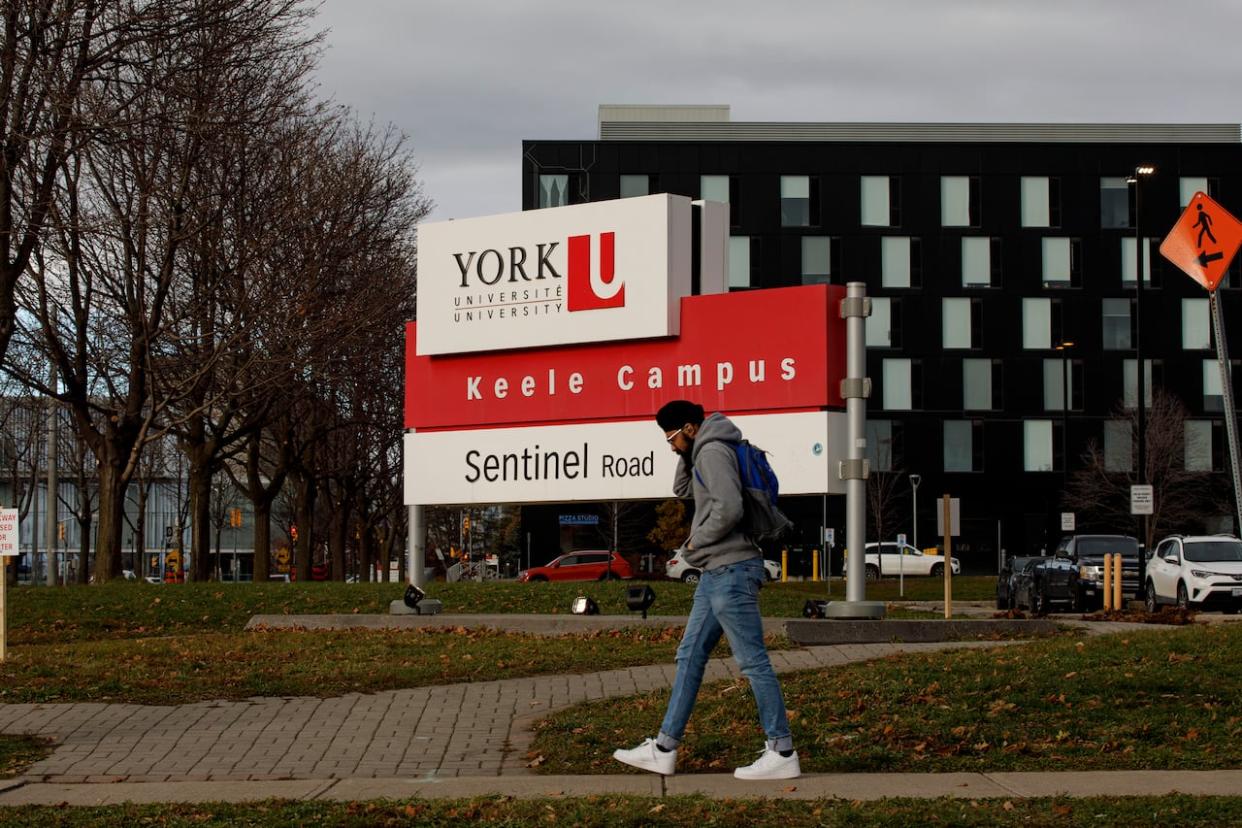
(1064, 346)
(1140, 172)
(915, 480)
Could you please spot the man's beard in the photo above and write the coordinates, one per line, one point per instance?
(689, 451)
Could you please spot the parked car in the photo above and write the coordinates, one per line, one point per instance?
(903, 559)
(1007, 577)
(1196, 571)
(677, 569)
(1074, 576)
(584, 565)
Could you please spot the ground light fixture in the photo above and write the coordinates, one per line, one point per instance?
(413, 595)
(639, 598)
(584, 605)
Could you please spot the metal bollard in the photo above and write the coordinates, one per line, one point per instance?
(784, 565)
(1108, 583)
(1118, 603)
(815, 565)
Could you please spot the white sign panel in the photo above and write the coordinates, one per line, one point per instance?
(8, 533)
(1142, 499)
(604, 461)
(1067, 522)
(955, 517)
(607, 270)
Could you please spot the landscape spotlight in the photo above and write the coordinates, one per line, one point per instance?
(815, 609)
(639, 598)
(584, 605)
(412, 596)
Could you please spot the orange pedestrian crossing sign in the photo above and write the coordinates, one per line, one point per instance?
(1204, 241)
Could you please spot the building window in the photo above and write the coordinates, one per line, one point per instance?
(980, 262)
(817, 252)
(635, 185)
(1037, 324)
(1041, 202)
(1129, 396)
(898, 394)
(722, 188)
(741, 252)
(1196, 329)
(799, 201)
(1128, 261)
(960, 323)
(1189, 185)
(981, 384)
(959, 201)
(884, 445)
(1061, 262)
(900, 262)
(881, 201)
(1198, 446)
(1118, 325)
(1116, 203)
(1054, 384)
(879, 324)
(1118, 446)
(1213, 396)
(553, 190)
(963, 446)
(1037, 445)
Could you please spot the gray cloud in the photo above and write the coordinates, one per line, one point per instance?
(468, 80)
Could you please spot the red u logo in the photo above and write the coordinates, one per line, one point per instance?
(594, 288)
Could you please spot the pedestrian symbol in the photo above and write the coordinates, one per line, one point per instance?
(1204, 241)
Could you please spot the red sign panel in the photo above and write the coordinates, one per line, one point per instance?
(766, 350)
(1204, 241)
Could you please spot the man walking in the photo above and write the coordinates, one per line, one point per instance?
(726, 600)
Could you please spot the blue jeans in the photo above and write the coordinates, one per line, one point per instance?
(727, 601)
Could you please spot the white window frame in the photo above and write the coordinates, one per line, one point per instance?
(955, 329)
(880, 324)
(976, 261)
(1196, 325)
(1037, 445)
(895, 261)
(1057, 256)
(1036, 206)
(1036, 324)
(875, 207)
(739, 261)
(898, 394)
(955, 201)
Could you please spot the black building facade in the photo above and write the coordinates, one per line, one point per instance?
(984, 247)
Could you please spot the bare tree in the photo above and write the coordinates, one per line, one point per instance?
(886, 496)
(1181, 498)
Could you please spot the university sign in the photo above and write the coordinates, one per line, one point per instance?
(554, 399)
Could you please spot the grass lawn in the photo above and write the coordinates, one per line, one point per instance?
(693, 812)
(18, 753)
(40, 615)
(1146, 700)
(182, 669)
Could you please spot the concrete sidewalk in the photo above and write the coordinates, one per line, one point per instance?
(864, 786)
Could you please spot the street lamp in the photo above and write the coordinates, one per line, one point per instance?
(1064, 346)
(915, 479)
(1141, 171)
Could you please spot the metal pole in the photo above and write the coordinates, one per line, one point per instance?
(856, 412)
(1138, 347)
(52, 485)
(1231, 417)
(1065, 408)
(416, 544)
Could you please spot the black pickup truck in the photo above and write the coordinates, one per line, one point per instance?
(1074, 576)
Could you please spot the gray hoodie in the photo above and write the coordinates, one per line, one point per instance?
(717, 488)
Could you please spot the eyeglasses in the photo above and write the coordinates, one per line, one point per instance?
(671, 437)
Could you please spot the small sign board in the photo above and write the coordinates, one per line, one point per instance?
(830, 536)
(1067, 522)
(1142, 500)
(8, 533)
(1203, 242)
(955, 517)
(579, 520)
(901, 539)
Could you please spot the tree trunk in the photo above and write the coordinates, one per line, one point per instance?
(304, 510)
(140, 530)
(84, 547)
(200, 519)
(262, 539)
(339, 539)
(111, 508)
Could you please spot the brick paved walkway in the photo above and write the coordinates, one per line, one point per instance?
(479, 729)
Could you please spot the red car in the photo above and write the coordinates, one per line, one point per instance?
(587, 565)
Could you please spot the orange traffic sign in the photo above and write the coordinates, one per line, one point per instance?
(1204, 241)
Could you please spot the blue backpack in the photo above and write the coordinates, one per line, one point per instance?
(761, 519)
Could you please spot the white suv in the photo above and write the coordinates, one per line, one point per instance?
(890, 559)
(679, 570)
(1196, 571)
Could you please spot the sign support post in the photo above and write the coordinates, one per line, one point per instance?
(10, 540)
(946, 508)
(1231, 417)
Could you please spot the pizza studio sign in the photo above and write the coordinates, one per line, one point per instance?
(547, 340)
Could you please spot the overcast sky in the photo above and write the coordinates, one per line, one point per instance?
(467, 81)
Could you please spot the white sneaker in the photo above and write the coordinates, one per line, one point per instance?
(648, 757)
(771, 765)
